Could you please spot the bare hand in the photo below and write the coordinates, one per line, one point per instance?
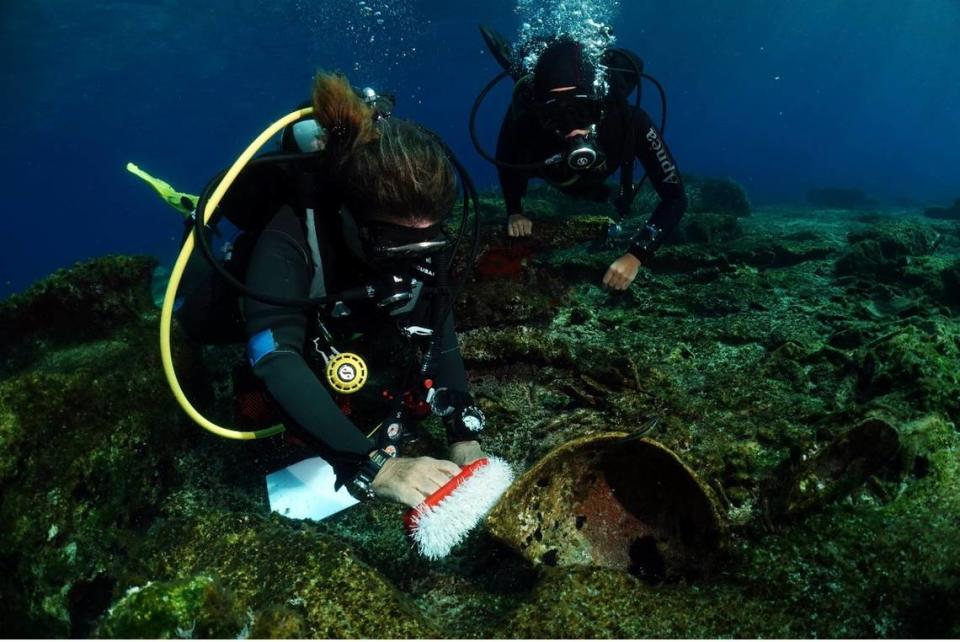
(622, 272)
(519, 225)
(465, 452)
(410, 480)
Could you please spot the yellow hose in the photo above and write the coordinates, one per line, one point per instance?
(166, 313)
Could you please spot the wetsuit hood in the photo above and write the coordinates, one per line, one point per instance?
(563, 64)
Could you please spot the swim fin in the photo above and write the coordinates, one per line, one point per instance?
(499, 47)
(184, 203)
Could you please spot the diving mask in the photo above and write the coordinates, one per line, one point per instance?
(389, 243)
(566, 112)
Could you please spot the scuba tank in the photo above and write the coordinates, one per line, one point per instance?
(284, 173)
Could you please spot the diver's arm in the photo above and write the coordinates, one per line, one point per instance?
(658, 162)
(513, 182)
(448, 368)
(450, 373)
(281, 267)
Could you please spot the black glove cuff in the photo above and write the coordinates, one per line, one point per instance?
(646, 242)
(466, 424)
(462, 418)
(369, 468)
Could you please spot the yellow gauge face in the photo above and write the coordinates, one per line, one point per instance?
(346, 373)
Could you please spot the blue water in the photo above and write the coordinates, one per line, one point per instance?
(782, 95)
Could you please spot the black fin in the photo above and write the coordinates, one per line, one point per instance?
(499, 47)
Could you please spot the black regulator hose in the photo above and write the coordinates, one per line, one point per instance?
(536, 166)
(476, 140)
(663, 102)
(355, 294)
(199, 233)
(440, 315)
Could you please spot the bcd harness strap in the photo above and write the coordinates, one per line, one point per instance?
(317, 286)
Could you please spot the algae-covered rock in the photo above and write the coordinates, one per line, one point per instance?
(87, 302)
(951, 284)
(948, 213)
(917, 362)
(597, 603)
(922, 440)
(873, 570)
(86, 443)
(706, 228)
(279, 622)
(869, 568)
(785, 252)
(870, 449)
(756, 358)
(611, 501)
(196, 607)
(883, 252)
(717, 195)
(842, 198)
(267, 564)
(712, 195)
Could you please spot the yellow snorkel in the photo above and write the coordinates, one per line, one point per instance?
(166, 313)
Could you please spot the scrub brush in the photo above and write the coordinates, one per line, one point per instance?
(443, 519)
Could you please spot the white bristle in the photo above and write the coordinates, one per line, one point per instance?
(438, 529)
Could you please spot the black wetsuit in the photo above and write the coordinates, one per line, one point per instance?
(282, 264)
(623, 135)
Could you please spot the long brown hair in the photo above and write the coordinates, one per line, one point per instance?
(390, 170)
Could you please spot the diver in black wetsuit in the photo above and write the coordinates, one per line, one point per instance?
(373, 215)
(586, 137)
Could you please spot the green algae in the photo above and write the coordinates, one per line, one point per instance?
(268, 564)
(84, 303)
(758, 342)
(197, 607)
(601, 603)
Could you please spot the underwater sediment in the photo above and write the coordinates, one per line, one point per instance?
(802, 366)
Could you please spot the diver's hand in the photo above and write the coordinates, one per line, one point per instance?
(410, 480)
(519, 225)
(622, 272)
(464, 452)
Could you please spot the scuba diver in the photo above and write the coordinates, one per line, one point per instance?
(569, 127)
(396, 183)
(342, 240)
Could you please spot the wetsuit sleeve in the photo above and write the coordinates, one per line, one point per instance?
(449, 372)
(277, 334)
(658, 162)
(513, 182)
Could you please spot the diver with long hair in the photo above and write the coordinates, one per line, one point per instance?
(370, 209)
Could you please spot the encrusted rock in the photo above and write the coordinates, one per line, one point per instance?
(840, 198)
(883, 252)
(847, 463)
(267, 564)
(949, 213)
(599, 603)
(706, 228)
(196, 607)
(87, 302)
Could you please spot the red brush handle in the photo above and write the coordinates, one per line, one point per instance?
(410, 517)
